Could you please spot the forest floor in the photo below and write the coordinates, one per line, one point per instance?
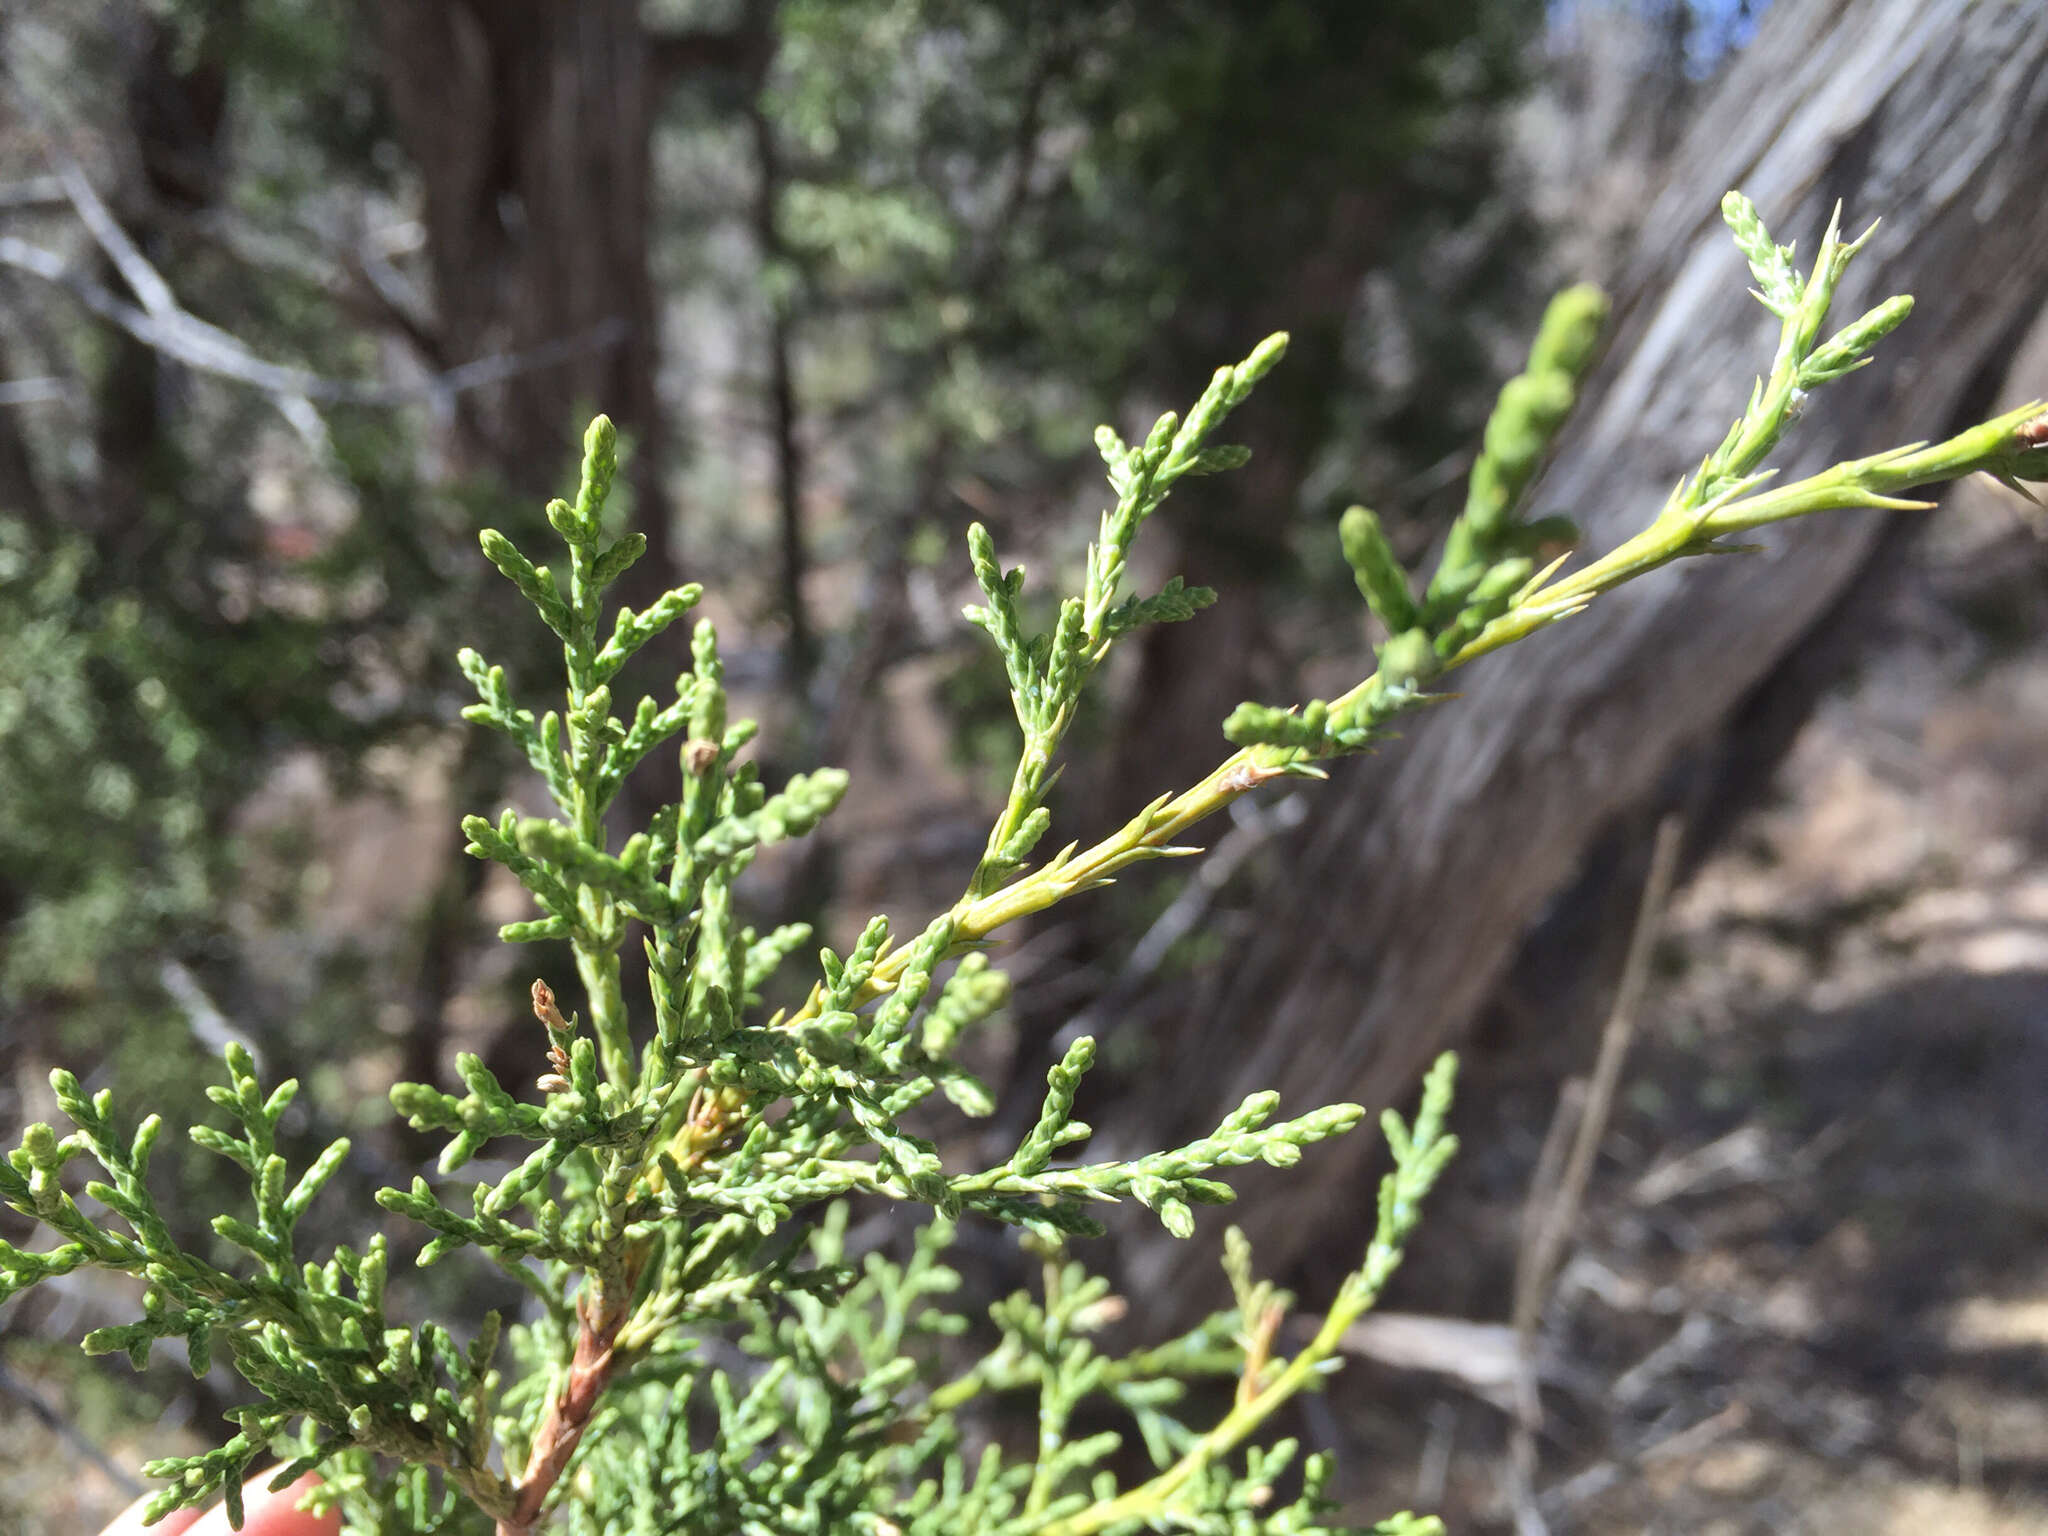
(1809, 1288)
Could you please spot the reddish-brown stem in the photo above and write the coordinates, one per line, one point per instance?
(600, 1315)
(561, 1427)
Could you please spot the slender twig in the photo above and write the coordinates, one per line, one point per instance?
(143, 279)
(165, 325)
(1560, 1208)
(1548, 1175)
(31, 195)
(35, 391)
(1553, 1209)
(185, 338)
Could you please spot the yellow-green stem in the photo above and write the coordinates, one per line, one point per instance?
(1231, 1431)
(1861, 483)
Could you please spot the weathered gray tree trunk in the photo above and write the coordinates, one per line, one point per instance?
(1420, 871)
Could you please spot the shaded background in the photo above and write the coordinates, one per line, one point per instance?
(295, 295)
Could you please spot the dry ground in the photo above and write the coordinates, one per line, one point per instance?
(1810, 1287)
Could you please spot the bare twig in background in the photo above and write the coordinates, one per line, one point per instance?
(1539, 1258)
(1561, 1205)
(185, 338)
(1566, 1116)
(1432, 1472)
(34, 391)
(1744, 1154)
(160, 307)
(1585, 1486)
(143, 280)
(1691, 1339)
(165, 325)
(32, 194)
(354, 268)
(1498, 1362)
(215, 1032)
(1480, 1357)
(1554, 1194)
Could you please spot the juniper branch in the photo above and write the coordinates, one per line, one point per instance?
(664, 1165)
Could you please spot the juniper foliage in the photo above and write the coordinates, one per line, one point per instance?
(703, 1351)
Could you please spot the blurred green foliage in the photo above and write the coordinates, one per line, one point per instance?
(995, 224)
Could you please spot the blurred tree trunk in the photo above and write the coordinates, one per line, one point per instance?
(1419, 873)
(529, 123)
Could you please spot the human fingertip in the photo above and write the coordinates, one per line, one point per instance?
(129, 1521)
(273, 1514)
